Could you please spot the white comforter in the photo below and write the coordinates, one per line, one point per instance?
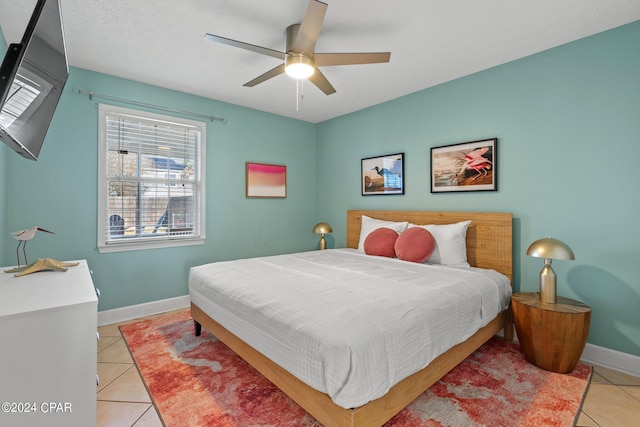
(345, 323)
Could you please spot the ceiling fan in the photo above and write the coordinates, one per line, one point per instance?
(300, 59)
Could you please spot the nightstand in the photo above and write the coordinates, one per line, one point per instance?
(551, 336)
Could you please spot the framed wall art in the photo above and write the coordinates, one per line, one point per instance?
(467, 166)
(383, 175)
(265, 180)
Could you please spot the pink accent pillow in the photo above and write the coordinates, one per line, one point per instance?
(381, 242)
(415, 244)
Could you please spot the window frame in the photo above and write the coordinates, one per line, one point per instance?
(121, 245)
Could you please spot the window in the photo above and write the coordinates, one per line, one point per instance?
(151, 180)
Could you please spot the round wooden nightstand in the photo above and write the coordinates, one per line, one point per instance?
(551, 336)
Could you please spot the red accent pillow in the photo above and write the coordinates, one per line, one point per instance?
(415, 244)
(381, 242)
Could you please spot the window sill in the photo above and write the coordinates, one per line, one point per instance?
(140, 246)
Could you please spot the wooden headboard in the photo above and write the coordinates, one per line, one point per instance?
(489, 236)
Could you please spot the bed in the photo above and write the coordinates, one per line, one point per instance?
(488, 246)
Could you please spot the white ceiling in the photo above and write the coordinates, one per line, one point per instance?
(160, 42)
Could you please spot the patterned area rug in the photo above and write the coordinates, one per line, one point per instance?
(198, 381)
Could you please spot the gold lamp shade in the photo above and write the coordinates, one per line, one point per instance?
(322, 228)
(549, 249)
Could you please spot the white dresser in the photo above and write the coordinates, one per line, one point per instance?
(48, 350)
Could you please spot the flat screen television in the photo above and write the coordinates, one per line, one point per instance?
(32, 76)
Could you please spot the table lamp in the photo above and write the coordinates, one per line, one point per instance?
(549, 249)
(322, 228)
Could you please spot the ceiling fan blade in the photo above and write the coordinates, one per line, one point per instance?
(327, 59)
(266, 76)
(310, 27)
(321, 82)
(246, 46)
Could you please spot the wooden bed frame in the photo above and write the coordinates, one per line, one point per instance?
(489, 245)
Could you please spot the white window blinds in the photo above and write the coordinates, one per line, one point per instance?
(151, 177)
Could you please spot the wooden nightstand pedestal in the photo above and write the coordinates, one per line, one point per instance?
(552, 336)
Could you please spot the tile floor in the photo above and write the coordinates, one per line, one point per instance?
(613, 399)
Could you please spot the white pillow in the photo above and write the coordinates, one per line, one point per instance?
(370, 224)
(451, 243)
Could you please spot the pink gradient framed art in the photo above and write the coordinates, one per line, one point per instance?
(264, 180)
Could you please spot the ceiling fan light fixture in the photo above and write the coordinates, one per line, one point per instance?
(299, 66)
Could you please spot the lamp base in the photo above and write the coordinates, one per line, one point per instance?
(323, 242)
(548, 283)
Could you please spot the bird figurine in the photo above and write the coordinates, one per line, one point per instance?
(23, 236)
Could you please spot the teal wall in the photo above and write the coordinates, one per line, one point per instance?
(567, 120)
(59, 191)
(568, 124)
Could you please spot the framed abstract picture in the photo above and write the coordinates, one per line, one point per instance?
(263, 180)
(383, 175)
(467, 166)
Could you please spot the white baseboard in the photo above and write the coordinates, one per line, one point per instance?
(123, 314)
(605, 357)
(613, 359)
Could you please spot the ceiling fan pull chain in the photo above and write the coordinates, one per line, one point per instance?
(299, 93)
